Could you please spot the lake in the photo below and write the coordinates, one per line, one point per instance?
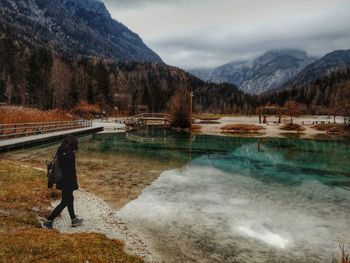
(228, 199)
(246, 200)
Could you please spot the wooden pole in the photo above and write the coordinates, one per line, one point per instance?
(191, 96)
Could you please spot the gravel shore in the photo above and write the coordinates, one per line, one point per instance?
(100, 218)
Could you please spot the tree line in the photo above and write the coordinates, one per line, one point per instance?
(327, 95)
(40, 78)
(37, 77)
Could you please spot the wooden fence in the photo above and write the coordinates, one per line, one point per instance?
(15, 130)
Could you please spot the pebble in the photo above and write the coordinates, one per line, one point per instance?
(100, 218)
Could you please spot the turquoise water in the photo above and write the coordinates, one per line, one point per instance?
(241, 199)
(233, 199)
(284, 161)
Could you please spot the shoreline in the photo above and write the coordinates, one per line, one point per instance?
(99, 217)
(270, 130)
(213, 126)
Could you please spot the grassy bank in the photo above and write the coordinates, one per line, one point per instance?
(23, 199)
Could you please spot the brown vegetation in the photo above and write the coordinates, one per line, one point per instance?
(208, 118)
(179, 107)
(292, 127)
(241, 128)
(13, 114)
(23, 198)
(208, 122)
(292, 109)
(196, 128)
(330, 128)
(86, 111)
(344, 256)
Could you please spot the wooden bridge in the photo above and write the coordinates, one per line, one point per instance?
(143, 120)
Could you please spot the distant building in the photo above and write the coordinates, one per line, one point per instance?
(141, 109)
(138, 109)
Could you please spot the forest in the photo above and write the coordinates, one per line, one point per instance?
(326, 95)
(39, 78)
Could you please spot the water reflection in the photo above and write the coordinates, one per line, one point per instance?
(289, 161)
(247, 200)
(221, 199)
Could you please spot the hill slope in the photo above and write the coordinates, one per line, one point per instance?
(328, 94)
(73, 28)
(331, 62)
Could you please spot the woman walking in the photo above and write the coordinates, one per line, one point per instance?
(68, 184)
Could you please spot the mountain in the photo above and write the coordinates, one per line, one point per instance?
(73, 28)
(328, 94)
(203, 74)
(266, 72)
(331, 62)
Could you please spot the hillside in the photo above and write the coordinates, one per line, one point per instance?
(325, 95)
(30, 75)
(72, 28)
(331, 62)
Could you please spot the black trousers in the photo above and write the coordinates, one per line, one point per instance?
(67, 201)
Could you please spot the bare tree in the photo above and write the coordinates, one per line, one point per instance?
(179, 106)
(340, 103)
(293, 109)
(60, 81)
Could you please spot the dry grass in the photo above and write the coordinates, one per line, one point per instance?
(196, 128)
(292, 127)
(86, 111)
(208, 122)
(14, 114)
(24, 197)
(330, 128)
(208, 118)
(212, 116)
(242, 128)
(35, 245)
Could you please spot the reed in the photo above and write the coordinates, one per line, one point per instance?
(15, 114)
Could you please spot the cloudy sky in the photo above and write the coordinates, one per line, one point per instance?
(208, 33)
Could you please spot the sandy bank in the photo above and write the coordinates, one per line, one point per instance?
(271, 129)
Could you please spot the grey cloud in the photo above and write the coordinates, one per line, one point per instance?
(207, 48)
(193, 41)
(139, 4)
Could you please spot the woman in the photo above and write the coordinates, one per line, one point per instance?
(68, 184)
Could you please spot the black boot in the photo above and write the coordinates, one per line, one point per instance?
(77, 222)
(47, 224)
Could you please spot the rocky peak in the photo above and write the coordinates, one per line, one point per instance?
(91, 6)
(273, 54)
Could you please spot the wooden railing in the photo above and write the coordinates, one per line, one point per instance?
(25, 129)
(147, 118)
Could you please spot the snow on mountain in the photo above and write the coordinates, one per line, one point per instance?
(267, 72)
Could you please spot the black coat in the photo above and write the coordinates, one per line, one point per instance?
(66, 160)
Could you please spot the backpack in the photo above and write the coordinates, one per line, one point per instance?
(54, 173)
